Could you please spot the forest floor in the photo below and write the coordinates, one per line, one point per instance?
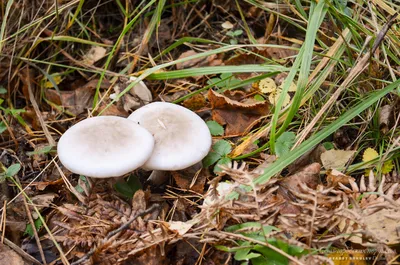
(302, 99)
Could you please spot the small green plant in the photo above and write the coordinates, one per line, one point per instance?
(256, 254)
(218, 155)
(29, 230)
(284, 143)
(234, 34)
(215, 128)
(9, 172)
(127, 188)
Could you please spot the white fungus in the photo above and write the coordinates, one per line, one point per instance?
(182, 138)
(105, 146)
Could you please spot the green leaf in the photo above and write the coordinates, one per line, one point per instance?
(210, 159)
(328, 145)
(284, 143)
(44, 150)
(13, 170)
(3, 90)
(29, 230)
(222, 147)
(215, 128)
(237, 32)
(258, 97)
(128, 188)
(3, 127)
(222, 161)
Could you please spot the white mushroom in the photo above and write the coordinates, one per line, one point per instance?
(182, 138)
(105, 146)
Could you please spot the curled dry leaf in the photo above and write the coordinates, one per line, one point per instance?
(238, 117)
(94, 54)
(336, 158)
(335, 177)
(309, 175)
(138, 96)
(203, 61)
(78, 100)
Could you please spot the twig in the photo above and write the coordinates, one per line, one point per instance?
(35, 106)
(114, 232)
(22, 253)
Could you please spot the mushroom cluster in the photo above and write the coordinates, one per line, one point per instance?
(157, 136)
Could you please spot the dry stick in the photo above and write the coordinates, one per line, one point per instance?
(354, 73)
(37, 111)
(22, 253)
(114, 232)
(29, 214)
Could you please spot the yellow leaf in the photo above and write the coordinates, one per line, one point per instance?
(267, 85)
(387, 167)
(369, 154)
(57, 79)
(274, 97)
(292, 87)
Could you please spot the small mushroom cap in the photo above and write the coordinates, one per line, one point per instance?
(182, 137)
(105, 146)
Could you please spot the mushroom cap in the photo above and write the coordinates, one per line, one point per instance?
(106, 146)
(182, 138)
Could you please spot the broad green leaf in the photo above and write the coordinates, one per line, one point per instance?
(284, 143)
(211, 159)
(3, 127)
(222, 161)
(3, 90)
(222, 147)
(128, 188)
(13, 170)
(215, 128)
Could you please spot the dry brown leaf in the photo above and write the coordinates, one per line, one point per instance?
(196, 102)
(308, 175)
(94, 54)
(238, 117)
(336, 158)
(203, 61)
(335, 177)
(78, 100)
(191, 178)
(9, 256)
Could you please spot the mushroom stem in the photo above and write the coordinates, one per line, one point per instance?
(158, 177)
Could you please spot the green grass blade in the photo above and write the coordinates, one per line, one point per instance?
(307, 145)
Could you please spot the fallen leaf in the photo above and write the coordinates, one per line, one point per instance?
(309, 175)
(197, 62)
(335, 158)
(267, 85)
(274, 97)
(238, 117)
(335, 177)
(94, 54)
(56, 78)
(180, 227)
(385, 116)
(78, 100)
(369, 154)
(196, 102)
(42, 201)
(138, 96)
(191, 178)
(9, 256)
(227, 25)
